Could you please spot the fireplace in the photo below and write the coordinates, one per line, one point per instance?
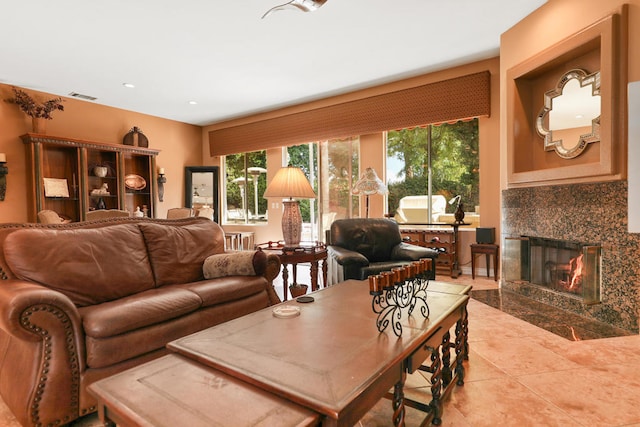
(568, 268)
(588, 212)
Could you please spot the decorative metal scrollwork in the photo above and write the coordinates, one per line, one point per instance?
(403, 288)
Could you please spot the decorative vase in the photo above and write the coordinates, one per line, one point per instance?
(100, 171)
(298, 290)
(39, 125)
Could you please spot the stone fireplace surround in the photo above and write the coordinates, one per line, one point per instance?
(593, 212)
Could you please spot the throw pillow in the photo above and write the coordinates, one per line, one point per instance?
(241, 263)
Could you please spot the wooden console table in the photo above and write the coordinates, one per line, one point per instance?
(306, 252)
(437, 235)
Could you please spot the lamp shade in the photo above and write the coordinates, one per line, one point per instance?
(369, 184)
(290, 182)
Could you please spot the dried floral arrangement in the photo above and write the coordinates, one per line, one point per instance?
(35, 109)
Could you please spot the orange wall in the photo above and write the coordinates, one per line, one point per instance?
(550, 24)
(180, 144)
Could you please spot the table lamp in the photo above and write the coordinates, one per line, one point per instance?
(290, 182)
(369, 184)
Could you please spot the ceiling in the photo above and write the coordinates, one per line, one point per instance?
(222, 56)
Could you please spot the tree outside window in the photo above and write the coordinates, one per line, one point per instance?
(454, 163)
(246, 181)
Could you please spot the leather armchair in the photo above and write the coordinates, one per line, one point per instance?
(360, 247)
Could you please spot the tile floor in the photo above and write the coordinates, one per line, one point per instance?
(520, 375)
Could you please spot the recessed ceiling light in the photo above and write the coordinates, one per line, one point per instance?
(193, 102)
(129, 85)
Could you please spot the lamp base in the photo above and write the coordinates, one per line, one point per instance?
(459, 214)
(291, 223)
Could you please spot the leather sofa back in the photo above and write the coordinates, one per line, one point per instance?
(89, 266)
(372, 237)
(108, 259)
(177, 252)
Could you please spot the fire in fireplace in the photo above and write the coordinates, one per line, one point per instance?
(566, 267)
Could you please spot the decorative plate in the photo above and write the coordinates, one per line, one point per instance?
(134, 182)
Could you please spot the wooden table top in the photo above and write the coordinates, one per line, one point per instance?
(177, 391)
(325, 358)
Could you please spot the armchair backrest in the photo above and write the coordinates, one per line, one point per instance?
(372, 237)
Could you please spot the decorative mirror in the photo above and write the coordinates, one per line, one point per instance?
(201, 188)
(570, 118)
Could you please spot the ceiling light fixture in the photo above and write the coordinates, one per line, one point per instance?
(81, 96)
(129, 85)
(193, 102)
(303, 5)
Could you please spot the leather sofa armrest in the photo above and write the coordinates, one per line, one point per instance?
(273, 267)
(270, 273)
(45, 332)
(18, 298)
(409, 252)
(347, 257)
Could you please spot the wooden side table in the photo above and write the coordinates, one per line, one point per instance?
(311, 252)
(488, 250)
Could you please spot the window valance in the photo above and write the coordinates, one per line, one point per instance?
(448, 100)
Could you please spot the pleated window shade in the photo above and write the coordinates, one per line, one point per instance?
(445, 101)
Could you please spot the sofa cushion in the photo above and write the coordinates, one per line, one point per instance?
(177, 252)
(222, 290)
(137, 311)
(90, 266)
(105, 352)
(239, 263)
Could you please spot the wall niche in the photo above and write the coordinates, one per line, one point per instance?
(600, 47)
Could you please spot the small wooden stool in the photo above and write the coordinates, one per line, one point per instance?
(487, 249)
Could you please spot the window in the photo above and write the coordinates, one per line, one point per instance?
(339, 159)
(305, 157)
(441, 161)
(245, 183)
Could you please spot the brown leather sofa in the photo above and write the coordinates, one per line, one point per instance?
(82, 301)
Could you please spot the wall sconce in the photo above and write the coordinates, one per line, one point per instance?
(3, 175)
(161, 181)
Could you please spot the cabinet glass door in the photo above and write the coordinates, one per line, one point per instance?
(102, 180)
(138, 183)
(59, 181)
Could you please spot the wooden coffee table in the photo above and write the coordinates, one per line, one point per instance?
(175, 391)
(331, 359)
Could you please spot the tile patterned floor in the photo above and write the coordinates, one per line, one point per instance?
(521, 375)
(565, 324)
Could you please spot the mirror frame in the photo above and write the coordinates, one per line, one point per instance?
(188, 186)
(594, 136)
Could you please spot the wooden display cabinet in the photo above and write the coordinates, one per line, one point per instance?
(136, 194)
(437, 236)
(69, 165)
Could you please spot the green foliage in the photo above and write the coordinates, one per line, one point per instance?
(299, 157)
(454, 162)
(235, 168)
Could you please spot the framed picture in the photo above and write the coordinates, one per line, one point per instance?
(56, 187)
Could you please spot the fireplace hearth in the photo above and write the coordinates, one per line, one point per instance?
(565, 267)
